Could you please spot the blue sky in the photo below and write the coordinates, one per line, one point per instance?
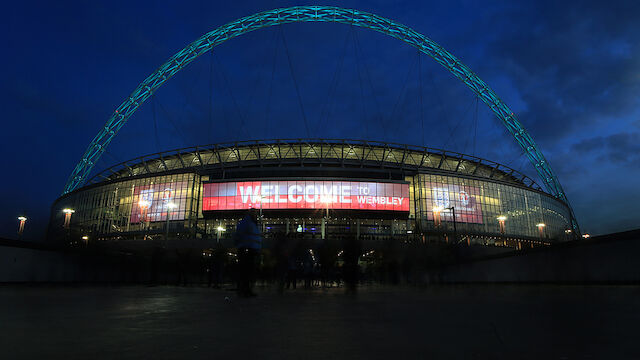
(570, 71)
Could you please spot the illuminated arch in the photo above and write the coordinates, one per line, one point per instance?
(313, 14)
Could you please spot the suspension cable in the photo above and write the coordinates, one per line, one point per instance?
(295, 82)
(210, 133)
(233, 98)
(155, 121)
(273, 72)
(373, 94)
(333, 85)
(364, 112)
(475, 128)
(452, 132)
(420, 94)
(178, 131)
(402, 91)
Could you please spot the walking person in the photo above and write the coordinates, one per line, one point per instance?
(248, 241)
(351, 253)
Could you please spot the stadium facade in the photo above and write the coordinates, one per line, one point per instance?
(315, 188)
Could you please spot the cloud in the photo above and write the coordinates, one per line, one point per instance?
(620, 148)
(575, 64)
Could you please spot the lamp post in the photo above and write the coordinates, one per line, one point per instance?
(436, 216)
(67, 217)
(540, 227)
(260, 197)
(169, 206)
(567, 234)
(325, 221)
(23, 220)
(501, 219)
(455, 228)
(144, 205)
(220, 229)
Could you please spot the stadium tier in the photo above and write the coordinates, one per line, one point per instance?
(317, 188)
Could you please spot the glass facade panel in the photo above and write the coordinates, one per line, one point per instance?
(478, 204)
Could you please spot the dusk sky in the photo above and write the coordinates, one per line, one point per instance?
(569, 70)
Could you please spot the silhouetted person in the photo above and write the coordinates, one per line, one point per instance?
(215, 265)
(307, 268)
(156, 259)
(281, 253)
(351, 253)
(248, 239)
(181, 268)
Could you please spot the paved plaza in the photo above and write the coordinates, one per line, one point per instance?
(447, 322)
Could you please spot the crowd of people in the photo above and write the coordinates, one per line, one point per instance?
(297, 260)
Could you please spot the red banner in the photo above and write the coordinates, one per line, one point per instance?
(354, 195)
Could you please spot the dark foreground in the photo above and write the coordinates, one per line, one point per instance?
(442, 322)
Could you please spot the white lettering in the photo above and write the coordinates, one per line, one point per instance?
(295, 198)
(310, 194)
(265, 193)
(278, 195)
(249, 192)
(346, 191)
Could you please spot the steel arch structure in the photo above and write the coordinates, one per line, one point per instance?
(314, 14)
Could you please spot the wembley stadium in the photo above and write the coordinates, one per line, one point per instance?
(316, 188)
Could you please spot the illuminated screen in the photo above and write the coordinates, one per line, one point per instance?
(463, 198)
(354, 195)
(151, 202)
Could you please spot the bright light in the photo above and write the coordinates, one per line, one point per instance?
(568, 231)
(501, 218)
(171, 205)
(85, 238)
(144, 203)
(220, 228)
(586, 236)
(68, 211)
(22, 218)
(540, 225)
(438, 209)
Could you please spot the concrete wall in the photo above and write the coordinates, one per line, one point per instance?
(31, 265)
(24, 262)
(612, 258)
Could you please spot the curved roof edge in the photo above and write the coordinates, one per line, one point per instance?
(326, 151)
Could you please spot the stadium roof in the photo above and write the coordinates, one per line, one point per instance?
(320, 152)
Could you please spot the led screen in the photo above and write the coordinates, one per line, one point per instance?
(353, 195)
(151, 202)
(462, 198)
